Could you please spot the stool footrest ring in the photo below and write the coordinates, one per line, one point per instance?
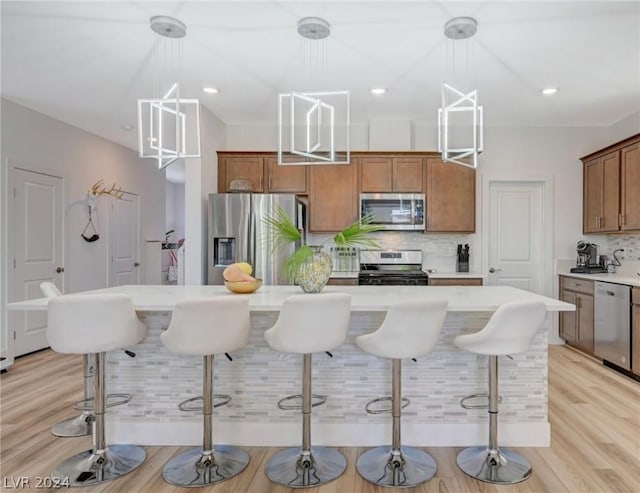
(367, 407)
(482, 395)
(224, 399)
(316, 400)
(87, 404)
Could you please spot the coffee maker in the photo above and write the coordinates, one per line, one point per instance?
(587, 260)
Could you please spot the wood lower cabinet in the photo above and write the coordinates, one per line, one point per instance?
(611, 183)
(391, 174)
(342, 281)
(455, 281)
(263, 171)
(577, 328)
(451, 197)
(333, 200)
(635, 332)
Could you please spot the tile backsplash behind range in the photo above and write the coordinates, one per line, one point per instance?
(438, 251)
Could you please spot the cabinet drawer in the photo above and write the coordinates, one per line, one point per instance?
(455, 282)
(574, 284)
(635, 296)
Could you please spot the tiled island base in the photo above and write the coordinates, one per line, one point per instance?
(258, 377)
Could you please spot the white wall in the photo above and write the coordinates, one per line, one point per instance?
(201, 178)
(174, 210)
(624, 128)
(40, 143)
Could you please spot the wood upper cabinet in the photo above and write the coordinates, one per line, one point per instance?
(635, 332)
(630, 187)
(451, 197)
(602, 193)
(263, 171)
(611, 199)
(285, 179)
(391, 174)
(333, 198)
(232, 167)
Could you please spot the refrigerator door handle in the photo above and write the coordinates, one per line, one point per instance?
(252, 240)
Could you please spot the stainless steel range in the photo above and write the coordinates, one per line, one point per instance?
(392, 268)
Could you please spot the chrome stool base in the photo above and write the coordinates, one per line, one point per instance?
(194, 469)
(75, 427)
(409, 468)
(500, 466)
(294, 469)
(88, 468)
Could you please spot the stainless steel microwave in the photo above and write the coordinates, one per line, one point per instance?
(394, 211)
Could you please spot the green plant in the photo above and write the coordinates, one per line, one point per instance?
(284, 231)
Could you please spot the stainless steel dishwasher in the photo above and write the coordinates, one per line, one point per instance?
(612, 314)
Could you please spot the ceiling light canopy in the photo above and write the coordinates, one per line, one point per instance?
(313, 28)
(169, 27)
(549, 91)
(460, 28)
(210, 90)
(378, 91)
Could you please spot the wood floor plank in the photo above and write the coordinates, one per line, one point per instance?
(595, 437)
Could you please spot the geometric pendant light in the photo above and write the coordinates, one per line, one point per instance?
(312, 126)
(168, 126)
(460, 118)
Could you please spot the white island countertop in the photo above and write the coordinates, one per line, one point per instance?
(364, 298)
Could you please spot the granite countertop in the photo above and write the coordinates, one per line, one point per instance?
(363, 298)
(455, 275)
(617, 278)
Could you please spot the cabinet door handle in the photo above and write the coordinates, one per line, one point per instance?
(269, 182)
(261, 183)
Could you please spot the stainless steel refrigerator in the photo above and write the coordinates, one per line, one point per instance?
(237, 233)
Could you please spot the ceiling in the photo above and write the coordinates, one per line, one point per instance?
(86, 63)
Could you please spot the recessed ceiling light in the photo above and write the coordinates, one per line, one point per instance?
(549, 91)
(128, 127)
(210, 90)
(378, 91)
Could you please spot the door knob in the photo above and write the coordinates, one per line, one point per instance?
(136, 264)
(59, 269)
(492, 270)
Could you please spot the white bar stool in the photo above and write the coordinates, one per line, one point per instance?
(510, 330)
(95, 323)
(205, 328)
(79, 425)
(410, 330)
(308, 323)
(82, 425)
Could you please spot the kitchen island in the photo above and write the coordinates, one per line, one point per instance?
(258, 376)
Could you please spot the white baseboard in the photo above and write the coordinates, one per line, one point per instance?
(186, 433)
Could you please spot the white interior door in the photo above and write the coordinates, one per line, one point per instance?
(124, 240)
(516, 232)
(35, 215)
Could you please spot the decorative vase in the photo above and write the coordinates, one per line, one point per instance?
(315, 271)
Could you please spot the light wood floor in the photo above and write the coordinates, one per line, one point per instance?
(594, 414)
